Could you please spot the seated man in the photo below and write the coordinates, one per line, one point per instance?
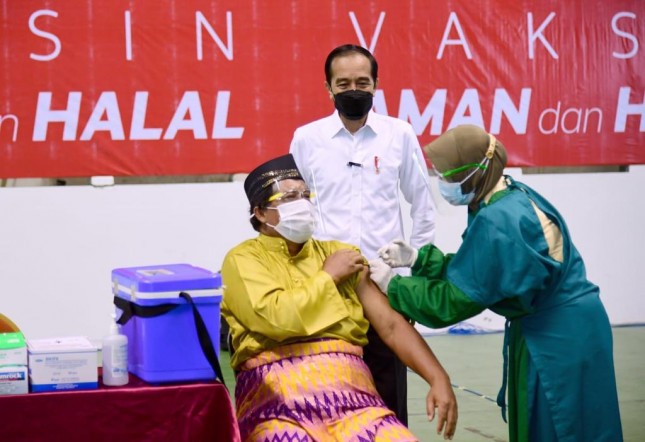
(298, 311)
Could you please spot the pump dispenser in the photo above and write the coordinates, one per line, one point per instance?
(115, 356)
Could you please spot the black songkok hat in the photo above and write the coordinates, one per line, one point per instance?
(277, 169)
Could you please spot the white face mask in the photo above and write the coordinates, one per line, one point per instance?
(297, 220)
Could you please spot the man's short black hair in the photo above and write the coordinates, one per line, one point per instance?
(260, 200)
(348, 49)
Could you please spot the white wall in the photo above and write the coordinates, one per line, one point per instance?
(58, 245)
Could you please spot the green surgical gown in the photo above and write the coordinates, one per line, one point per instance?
(561, 381)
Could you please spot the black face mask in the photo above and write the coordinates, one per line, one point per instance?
(353, 104)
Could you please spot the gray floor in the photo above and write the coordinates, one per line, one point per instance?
(474, 363)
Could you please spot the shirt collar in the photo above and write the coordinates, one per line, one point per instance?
(277, 244)
(371, 121)
(500, 185)
(336, 125)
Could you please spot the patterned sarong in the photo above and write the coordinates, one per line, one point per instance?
(313, 391)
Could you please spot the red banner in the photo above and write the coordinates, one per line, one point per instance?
(199, 87)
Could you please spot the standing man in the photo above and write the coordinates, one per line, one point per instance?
(355, 161)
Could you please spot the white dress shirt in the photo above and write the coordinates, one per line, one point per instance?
(356, 179)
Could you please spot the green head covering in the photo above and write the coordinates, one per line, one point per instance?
(464, 145)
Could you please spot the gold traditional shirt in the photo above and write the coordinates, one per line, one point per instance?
(272, 298)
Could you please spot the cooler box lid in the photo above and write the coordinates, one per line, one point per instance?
(166, 280)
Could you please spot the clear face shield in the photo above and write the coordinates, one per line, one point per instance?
(451, 191)
(297, 219)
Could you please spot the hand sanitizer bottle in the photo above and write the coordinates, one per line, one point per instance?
(115, 356)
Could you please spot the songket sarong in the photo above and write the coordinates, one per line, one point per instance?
(313, 391)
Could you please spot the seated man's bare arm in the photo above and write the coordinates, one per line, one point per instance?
(406, 342)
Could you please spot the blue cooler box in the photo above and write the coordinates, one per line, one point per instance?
(166, 347)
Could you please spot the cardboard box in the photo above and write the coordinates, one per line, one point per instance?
(13, 349)
(13, 379)
(67, 363)
(13, 364)
(166, 348)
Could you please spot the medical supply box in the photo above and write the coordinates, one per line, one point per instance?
(159, 321)
(13, 349)
(13, 364)
(13, 379)
(67, 363)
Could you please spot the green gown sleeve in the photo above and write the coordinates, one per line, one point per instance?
(426, 297)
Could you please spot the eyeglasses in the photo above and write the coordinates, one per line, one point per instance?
(291, 195)
(483, 165)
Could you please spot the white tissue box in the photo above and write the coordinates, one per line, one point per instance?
(68, 363)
